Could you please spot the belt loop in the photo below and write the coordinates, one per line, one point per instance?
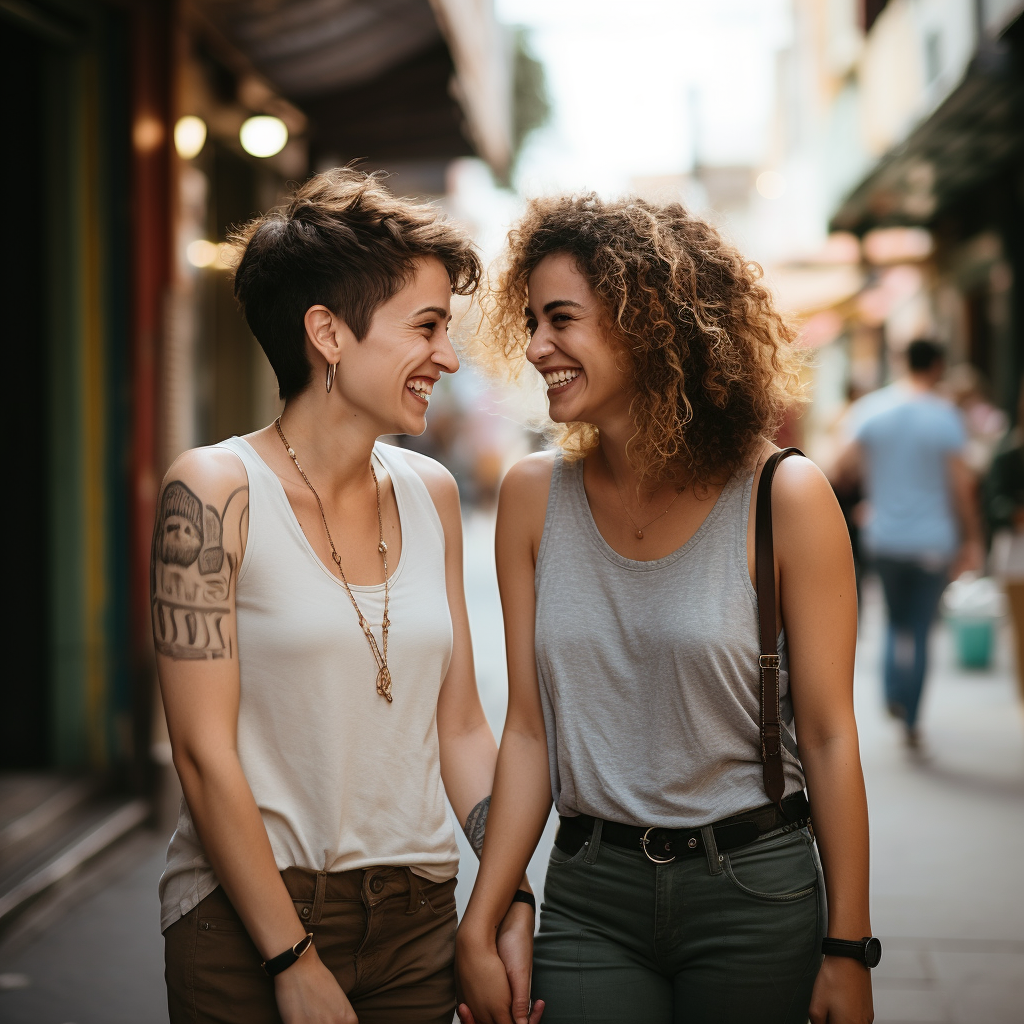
(318, 897)
(595, 842)
(415, 899)
(711, 849)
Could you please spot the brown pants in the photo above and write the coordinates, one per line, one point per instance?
(386, 934)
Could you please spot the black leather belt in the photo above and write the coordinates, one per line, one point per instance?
(664, 845)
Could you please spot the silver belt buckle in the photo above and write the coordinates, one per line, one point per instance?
(654, 860)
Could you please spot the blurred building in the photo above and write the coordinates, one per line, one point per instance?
(934, 118)
(123, 171)
(892, 202)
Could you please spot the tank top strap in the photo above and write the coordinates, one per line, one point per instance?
(268, 503)
(420, 521)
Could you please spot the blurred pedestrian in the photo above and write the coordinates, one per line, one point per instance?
(642, 620)
(1004, 508)
(848, 487)
(909, 444)
(985, 424)
(313, 643)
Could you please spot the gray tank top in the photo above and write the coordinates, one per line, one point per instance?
(648, 670)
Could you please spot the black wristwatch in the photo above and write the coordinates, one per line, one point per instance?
(868, 950)
(284, 960)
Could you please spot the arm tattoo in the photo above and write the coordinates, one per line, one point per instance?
(476, 823)
(191, 575)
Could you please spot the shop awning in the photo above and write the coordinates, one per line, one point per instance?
(975, 131)
(383, 79)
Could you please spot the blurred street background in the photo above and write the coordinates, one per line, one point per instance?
(869, 154)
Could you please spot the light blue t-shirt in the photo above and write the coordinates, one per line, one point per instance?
(907, 441)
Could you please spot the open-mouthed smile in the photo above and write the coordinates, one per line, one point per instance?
(558, 380)
(420, 388)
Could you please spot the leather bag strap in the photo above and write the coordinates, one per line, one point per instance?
(768, 663)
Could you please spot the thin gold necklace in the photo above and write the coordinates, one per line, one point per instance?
(618, 491)
(383, 673)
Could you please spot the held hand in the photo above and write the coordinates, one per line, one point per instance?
(515, 947)
(307, 993)
(842, 993)
(485, 994)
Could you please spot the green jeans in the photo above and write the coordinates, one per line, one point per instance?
(730, 938)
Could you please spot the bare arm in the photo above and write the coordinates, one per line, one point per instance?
(468, 750)
(819, 610)
(522, 788)
(198, 546)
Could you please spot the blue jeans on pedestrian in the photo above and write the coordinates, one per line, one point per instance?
(730, 938)
(912, 592)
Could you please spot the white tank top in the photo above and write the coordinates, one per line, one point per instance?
(342, 779)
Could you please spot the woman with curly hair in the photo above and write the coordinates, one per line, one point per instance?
(683, 884)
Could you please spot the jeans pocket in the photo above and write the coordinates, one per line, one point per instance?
(440, 896)
(223, 948)
(779, 870)
(560, 859)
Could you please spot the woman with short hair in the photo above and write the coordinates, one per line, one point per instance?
(313, 645)
(644, 647)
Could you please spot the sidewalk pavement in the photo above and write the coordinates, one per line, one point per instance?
(947, 839)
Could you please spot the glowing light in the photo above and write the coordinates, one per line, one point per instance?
(147, 133)
(771, 184)
(263, 136)
(226, 256)
(202, 253)
(189, 136)
(215, 255)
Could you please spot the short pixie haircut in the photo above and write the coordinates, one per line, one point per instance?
(343, 241)
(711, 361)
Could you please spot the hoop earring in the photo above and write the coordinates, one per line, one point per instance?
(332, 369)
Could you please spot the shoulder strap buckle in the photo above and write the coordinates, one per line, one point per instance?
(770, 661)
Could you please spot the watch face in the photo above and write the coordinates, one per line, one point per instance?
(872, 952)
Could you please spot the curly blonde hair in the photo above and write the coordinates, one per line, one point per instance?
(712, 361)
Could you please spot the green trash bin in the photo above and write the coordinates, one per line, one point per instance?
(974, 641)
(973, 606)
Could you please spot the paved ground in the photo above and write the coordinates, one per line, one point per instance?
(947, 833)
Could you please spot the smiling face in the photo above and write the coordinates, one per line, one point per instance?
(572, 347)
(388, 376)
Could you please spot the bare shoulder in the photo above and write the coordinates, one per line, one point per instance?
(523, 497)
(800, 487)
(216, 471)
(439, 482)
(804, 506)
(204, 503)
(530, 478)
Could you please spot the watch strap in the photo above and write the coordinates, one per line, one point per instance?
(522, 896)
(284, 960)
(867, 950)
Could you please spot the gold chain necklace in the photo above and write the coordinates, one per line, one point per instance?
(618, 491)
(383, 673)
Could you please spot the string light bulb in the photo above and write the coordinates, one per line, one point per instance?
(189, 136)
(263, 135)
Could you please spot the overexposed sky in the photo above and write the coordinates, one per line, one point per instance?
(636, 86)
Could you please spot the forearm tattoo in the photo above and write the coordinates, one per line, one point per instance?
(191, 575)
(476, 823)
